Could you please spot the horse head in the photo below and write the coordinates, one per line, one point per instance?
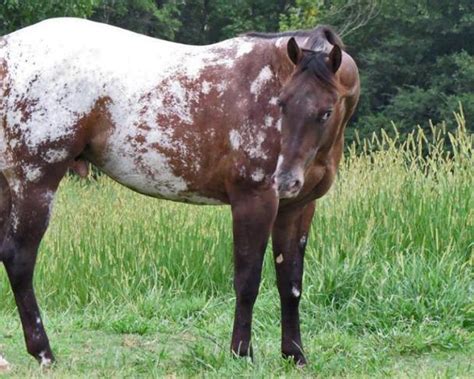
(310, 103)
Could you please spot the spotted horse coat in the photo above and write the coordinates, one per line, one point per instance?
(197, 124)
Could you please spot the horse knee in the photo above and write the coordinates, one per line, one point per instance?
(246, 292)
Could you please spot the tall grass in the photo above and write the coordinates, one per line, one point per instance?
(391, 244)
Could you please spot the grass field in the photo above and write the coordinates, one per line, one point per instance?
(133, 286)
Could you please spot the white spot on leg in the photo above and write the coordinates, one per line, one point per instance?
(279, 259)
(303, 241)
(295, 292)
(38, 321)
(258, 175)
(45, 362)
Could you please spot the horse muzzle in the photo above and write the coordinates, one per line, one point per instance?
(288, 185)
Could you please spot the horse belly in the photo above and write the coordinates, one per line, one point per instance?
(154, 170)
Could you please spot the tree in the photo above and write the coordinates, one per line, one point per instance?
(415, 58)
(150, 17)
(208, 21)
(16, 14)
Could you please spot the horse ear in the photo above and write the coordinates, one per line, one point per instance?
(294, 52)
(335, 58)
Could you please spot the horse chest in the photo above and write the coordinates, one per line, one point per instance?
(321, 179)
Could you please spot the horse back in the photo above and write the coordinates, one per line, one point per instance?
(165, 119)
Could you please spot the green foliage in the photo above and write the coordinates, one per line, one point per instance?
(156, 19)
(415, 58)
(206, 21)
(15, 14)
(304, 14)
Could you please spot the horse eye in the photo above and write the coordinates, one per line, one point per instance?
(326, 115)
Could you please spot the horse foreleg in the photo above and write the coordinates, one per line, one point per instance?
(30, 207)
(253, 216)
(289, 237)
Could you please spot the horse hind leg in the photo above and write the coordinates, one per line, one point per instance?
(29, 216)
(5, 207)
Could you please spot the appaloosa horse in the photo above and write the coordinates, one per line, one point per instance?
(256, 122)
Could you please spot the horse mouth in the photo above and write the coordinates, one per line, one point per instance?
(288, 189)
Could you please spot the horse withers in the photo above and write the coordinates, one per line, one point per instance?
(256, 122)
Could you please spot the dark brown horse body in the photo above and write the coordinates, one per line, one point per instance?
(256, 122)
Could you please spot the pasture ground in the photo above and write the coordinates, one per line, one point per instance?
(132, 286)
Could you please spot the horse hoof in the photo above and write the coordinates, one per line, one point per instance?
(4, 365)
(45, 362)
(297, 358)
(243, 354)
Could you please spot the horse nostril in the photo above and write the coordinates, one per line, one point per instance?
(296, 184)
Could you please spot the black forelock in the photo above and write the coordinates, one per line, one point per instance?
(315, 62)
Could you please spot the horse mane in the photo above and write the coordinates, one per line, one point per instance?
(314, 60)
(316, 35)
